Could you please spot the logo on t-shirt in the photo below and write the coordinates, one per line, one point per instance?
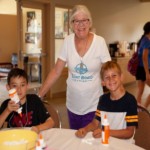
(81, 68)
(80, 75)
(25, 120)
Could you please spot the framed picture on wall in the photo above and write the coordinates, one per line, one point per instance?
(31, 21)
(30, 38)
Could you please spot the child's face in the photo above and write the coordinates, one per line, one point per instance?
(21, 85)
(112, 79)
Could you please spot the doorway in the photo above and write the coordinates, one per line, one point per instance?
(33, 48)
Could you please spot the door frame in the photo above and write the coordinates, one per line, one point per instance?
(44, 5)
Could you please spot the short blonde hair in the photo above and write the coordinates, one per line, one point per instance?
(109, 65)
(77, 9)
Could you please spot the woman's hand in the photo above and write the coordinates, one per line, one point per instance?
(97, 133)
(12, 106)
(81, 133)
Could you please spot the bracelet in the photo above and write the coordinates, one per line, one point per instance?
(38, 95)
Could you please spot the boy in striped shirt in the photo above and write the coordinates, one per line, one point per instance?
(119, 105)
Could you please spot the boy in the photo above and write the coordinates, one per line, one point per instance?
(119, 106)
(34, 114)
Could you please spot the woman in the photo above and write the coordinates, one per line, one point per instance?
(83, 52)
(143, 71)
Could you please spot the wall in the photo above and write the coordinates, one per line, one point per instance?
(8, 7)
(116, 19)
(8, 37)
(8, 29)
(119, 19)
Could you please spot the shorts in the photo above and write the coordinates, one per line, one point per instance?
(79, 121)
(140, 74)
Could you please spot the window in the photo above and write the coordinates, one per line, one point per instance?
(61, 27)
(62, 22)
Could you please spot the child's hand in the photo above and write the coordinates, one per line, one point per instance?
(97, 133)
(35, 129)
(12, 106)
(81, 133)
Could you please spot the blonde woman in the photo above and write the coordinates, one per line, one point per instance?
(83, 52)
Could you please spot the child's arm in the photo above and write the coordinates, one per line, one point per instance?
(10, 107)
(90, 127)
(49, 123)
(123, 133)
(3, 117)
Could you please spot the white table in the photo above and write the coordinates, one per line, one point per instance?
(65, 139)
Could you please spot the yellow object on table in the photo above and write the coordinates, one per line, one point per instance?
(18, 139)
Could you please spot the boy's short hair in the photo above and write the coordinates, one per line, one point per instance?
(16, 72)
(109, 65)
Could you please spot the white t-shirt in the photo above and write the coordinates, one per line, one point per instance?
(84, 83)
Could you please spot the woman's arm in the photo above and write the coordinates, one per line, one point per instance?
(145, 63)
(53, 75)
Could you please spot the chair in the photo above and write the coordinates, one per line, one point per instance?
(142, 134)
(54, 114)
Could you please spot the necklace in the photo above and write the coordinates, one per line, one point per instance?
(82, 51)
(81, 63)
(80, 46)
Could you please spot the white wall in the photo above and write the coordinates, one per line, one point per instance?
(119, 19)
(8, 7)
(116, 20)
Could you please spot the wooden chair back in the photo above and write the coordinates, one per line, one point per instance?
(54, 114)
(142, 134)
